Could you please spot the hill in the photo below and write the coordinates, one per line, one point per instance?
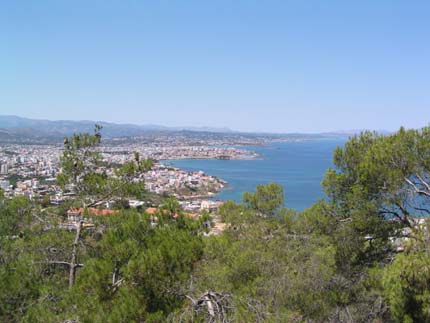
(18, 128)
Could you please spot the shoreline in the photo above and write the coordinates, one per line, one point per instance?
(221, 184)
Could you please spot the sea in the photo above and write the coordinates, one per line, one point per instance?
(299, 166)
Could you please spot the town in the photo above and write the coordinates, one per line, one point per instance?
(31, 171)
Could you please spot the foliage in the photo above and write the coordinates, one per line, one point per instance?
(135, 268)
(333, 262)
(266, 200)
(84, 171)
(383, 175)
(407, 279)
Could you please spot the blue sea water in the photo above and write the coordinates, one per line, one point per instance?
(298, 166)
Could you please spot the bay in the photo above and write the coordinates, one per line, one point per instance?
(298, 166)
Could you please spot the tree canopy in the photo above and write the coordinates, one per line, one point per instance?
(360, 255)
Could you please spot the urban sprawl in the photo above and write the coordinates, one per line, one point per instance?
(31, 170)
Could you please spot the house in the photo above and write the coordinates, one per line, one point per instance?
(151, 210)
(75, 215)
(210, 205)
(135, 203)
(154, 210)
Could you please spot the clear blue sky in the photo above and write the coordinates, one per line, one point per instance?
(280, 66)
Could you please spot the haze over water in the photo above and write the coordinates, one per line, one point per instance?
(298, 166)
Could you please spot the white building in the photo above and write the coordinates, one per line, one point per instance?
(4, 169)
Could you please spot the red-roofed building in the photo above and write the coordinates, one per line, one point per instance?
(75, 215)
(151, 210)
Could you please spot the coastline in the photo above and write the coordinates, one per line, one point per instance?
(298, 166)
(223, 184)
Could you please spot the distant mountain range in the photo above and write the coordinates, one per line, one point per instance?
(17, 129)
(14, 126)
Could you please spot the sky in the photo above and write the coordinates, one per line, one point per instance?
(272, 66)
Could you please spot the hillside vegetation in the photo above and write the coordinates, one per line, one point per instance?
(361, 255)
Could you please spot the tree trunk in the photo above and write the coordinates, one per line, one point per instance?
(73, 265)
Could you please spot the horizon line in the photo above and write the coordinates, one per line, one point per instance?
(205, 128)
